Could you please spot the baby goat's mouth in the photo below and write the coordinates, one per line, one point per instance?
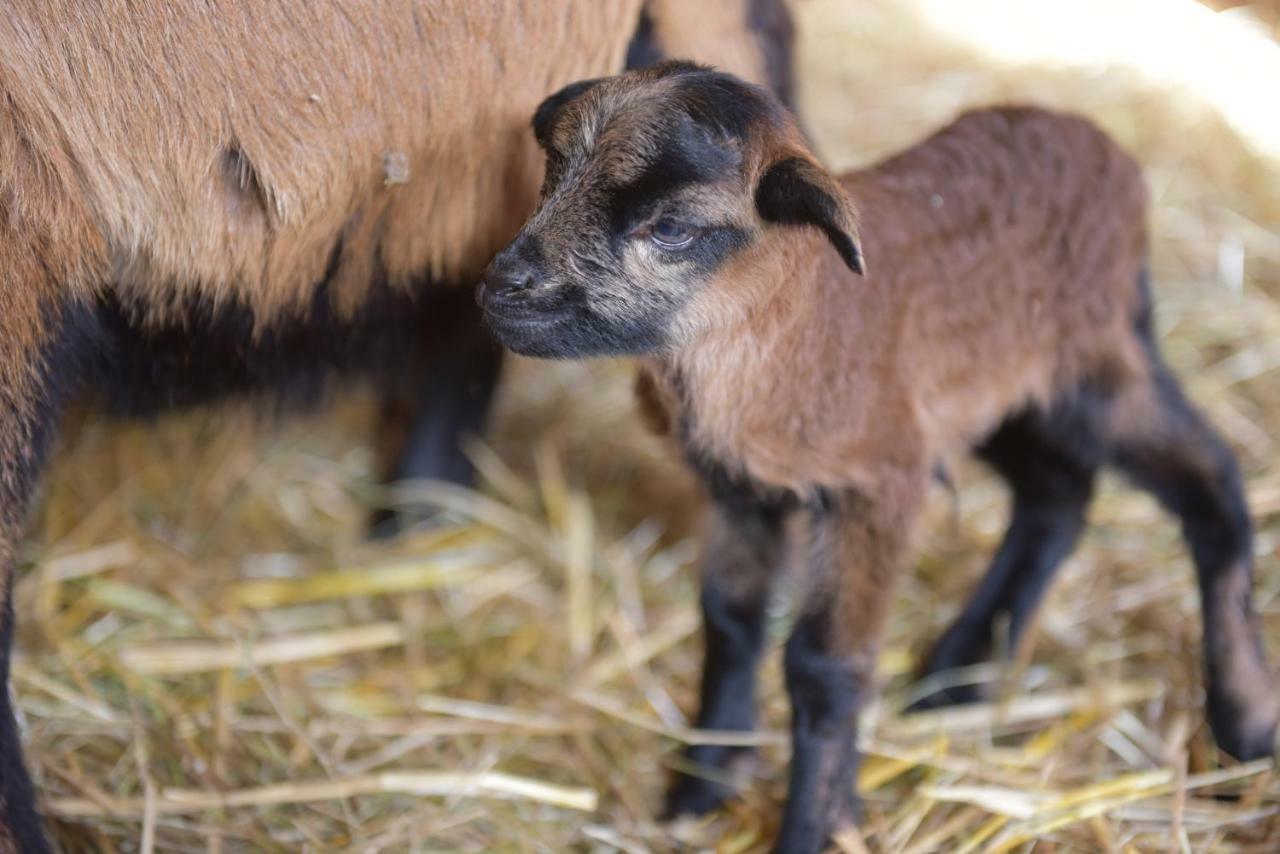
(556, 323)
(524, 329)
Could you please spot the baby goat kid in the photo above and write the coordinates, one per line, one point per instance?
(684, 221)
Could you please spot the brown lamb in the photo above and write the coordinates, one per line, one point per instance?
(1003, 311)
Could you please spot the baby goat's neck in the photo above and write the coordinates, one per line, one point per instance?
(748, 388)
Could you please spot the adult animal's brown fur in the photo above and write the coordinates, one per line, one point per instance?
(235, 197)
(226, 149)
(711, 32)
(1003, 310)
(229, 147)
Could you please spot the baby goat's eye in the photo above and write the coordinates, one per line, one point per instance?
(671, 234)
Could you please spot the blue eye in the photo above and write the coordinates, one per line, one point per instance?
(671, 234)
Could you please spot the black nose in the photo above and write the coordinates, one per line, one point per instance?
(508, 275)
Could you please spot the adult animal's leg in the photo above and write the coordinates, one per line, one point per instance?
(437, 401)
(41, 346)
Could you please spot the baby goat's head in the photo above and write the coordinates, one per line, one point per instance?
(657, 181)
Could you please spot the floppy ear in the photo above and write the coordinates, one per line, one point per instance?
(544, 117)
(797, 191)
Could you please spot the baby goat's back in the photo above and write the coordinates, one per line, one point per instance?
(1007, 248)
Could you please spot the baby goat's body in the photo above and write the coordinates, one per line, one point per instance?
(1005, 254)
(1006, 313)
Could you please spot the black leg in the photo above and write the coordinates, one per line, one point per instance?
(746, 546)
(439, 402)
(1049, 463)
(859, 548)
(20, 827)
(827, 690)
(1167, 448)
(40, 350)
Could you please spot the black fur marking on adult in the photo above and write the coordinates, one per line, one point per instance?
(427, 339)
(62, 363)
(770, 21)
(643, 49)
(214, 350)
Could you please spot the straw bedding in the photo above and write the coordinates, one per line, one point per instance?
(212, 659)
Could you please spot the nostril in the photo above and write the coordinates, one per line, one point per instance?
(520, 281)
(505, 280)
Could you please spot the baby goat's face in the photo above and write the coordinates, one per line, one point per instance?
(652, 187)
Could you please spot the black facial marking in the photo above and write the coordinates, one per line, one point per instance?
(711, 248)
(696, 140)
(688, 156)
(528, 248)
(724, 103)
(564, 325)
(554, 171)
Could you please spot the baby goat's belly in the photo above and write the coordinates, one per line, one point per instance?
(963, 405)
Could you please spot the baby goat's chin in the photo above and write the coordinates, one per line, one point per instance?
(540, 338)
(568, 335)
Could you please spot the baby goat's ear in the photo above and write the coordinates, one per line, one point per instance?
(545, 116)
(797, 191)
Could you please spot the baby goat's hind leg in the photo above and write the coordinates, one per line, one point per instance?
(1049, 460)
(1165, 446)
(745, 550)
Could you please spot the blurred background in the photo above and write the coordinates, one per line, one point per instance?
(521, 678)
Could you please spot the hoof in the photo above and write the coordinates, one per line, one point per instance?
(813, 834)
(958, 695)
(1245, 727)
(385, 524)
(1244, 742)
(694, 796)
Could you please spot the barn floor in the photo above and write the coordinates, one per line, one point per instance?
(213, 660)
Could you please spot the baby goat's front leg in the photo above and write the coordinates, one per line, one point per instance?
(859, 547)
(745, 548)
